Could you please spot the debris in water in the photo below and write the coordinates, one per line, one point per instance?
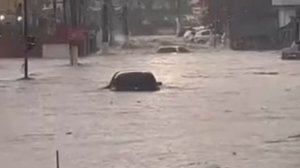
(213, 166)
(263, 107)
(288, 89)
(228, 111)
(69, 133)
(266, 73)
(294, 136)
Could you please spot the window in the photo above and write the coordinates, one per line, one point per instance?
(205, 33)
(183, 50)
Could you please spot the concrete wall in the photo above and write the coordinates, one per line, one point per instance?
(56, 51)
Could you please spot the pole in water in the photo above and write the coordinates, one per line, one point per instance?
(57, 159)
(178, 19)
(297, 32)
(25, 29)
(74, 55)
(125, 25)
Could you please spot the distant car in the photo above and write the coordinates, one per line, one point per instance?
(291, 53)
(183, 30)
(199, 28)
(172, 49)
(203, 36)
(134, 81)
(188, 36)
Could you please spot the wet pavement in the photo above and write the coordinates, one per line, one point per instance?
(216, 108)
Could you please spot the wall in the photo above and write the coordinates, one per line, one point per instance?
(56, 51)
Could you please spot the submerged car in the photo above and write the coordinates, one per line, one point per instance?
(172, 49)
(134, 81)
(291, 53)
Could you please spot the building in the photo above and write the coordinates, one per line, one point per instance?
(10, 28)
(286, 10)
(246, 24)
(199, 7)
(6, 5)
(288, 20)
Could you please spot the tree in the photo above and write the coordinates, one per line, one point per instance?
(148, 4)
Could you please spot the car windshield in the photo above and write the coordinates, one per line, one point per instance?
(183, 50)
(205, 33)
(167, 50)
(149, 83)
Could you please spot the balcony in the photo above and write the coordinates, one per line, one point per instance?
(286, 2)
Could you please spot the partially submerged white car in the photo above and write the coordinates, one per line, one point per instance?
(199, 35)
(172, 49)
(203, 36)
(292, 52)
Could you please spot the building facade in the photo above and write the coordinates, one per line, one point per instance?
(288, 20)
(286, 10)
(10, 28)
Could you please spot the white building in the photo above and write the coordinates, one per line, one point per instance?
(287, 10)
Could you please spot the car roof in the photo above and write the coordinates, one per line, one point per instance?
(204, 30)
(129, 71)
(169, 46)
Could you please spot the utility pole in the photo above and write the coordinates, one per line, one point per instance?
(25, 31)
(297, 32)
(74, 6)
(214, 16)
(105, 27)
(57, 159)
(65, 12)
(178, 20)
(125, 25)
(55, 9)
(111, 12)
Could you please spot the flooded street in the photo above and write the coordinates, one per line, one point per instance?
(226, 108)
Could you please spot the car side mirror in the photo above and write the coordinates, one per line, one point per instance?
(159, 83)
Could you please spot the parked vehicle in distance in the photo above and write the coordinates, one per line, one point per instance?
(197, 34)
(203, 36)
(189, 36)
(292, 52)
